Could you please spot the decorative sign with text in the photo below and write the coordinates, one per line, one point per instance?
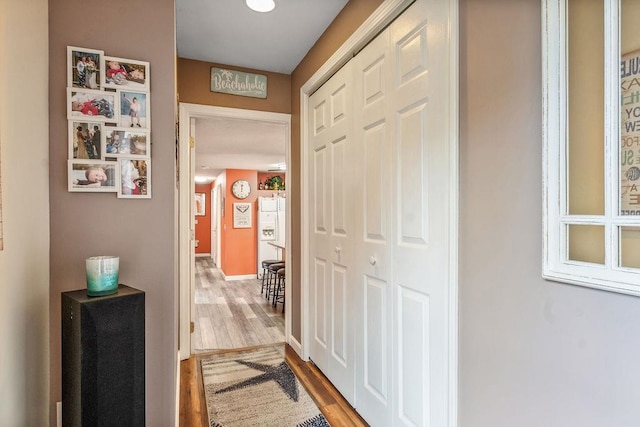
(630, 134)
(238, 83)
(242, 215)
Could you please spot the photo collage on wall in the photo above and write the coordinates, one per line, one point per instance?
(109, 114)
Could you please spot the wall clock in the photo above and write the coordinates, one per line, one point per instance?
(241, 189)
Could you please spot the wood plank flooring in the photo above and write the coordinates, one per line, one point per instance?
(233, 315)
(337, 411)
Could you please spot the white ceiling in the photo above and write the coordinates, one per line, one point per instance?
(228, 32)
(227, 143)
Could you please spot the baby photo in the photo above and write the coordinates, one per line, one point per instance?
(121, 72)
(92, 104)
(93, 176)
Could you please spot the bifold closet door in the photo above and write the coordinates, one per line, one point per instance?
(331, 234)
(380, 191)
(402, 248)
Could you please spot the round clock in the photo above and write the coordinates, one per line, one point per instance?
(241, 189)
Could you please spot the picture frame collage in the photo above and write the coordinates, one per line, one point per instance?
(109, 115)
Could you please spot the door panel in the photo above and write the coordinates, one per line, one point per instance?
(319, 304)
(420, 102)
(412, 178)
(373, 257)
(332, 233)
(338, 184)
(376, 216)
(376, 341)
(319, 196)
(338, 308)
(413, 358)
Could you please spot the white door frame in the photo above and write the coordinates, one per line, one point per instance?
(215, 222)
(187, 112)
(381, 17)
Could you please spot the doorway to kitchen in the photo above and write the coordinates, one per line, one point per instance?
(190, 115)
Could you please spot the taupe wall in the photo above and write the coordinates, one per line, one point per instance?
(141, 232)
(532, 352)
(24, 170)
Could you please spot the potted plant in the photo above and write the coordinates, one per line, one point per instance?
(276, 183)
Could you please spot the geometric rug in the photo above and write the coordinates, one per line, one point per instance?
(256, 388)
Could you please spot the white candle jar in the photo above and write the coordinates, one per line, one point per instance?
(102, 275)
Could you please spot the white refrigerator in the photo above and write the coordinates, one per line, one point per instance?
(271, 227)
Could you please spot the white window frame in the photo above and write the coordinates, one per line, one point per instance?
(556, 265)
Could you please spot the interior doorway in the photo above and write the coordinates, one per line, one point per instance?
(186, 174)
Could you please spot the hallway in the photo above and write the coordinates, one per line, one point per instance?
(232, 314)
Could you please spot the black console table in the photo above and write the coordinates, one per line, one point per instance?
(103, 358)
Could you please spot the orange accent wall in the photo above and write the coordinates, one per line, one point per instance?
(239, 245)
(203, 224)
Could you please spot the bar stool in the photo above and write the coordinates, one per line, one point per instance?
(278, 296)
(272, 278)
(265, 271)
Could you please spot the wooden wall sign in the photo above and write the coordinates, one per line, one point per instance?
(238, 83)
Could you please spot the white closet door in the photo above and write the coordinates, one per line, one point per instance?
(380, 222)
(331, 234)
(401, 132)
(374, 232)
(420, 108)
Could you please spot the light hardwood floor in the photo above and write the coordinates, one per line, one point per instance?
(337, 411)
(232, 315)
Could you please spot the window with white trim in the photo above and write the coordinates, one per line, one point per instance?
(591, 165)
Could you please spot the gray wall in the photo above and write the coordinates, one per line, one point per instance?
(532, 352)
(141, 232)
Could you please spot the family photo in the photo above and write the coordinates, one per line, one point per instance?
(126, 141)
(84, 69)
(85, 140)
(108, 110)
(134, 178)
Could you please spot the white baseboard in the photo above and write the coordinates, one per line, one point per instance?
(203, 255)
(242, 277)
(296, 346)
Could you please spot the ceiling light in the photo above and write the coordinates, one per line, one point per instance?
(261, 5)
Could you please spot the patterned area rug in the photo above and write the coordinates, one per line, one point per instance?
(256, 388)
